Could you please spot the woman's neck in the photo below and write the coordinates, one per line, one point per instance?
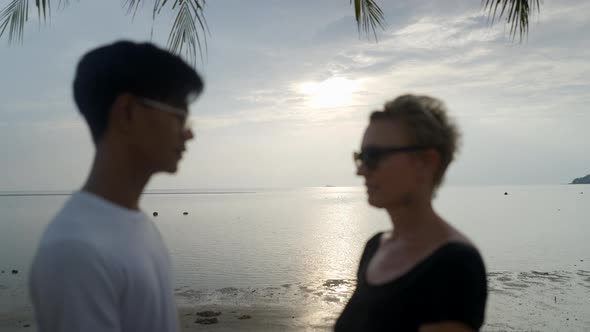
(414, 221)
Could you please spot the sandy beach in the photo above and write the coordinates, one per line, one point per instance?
(256, 318)
(216, 318)
(518, 301)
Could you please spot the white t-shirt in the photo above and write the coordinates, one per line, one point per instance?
(102, 267)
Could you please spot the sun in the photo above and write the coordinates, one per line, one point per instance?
(332, 92)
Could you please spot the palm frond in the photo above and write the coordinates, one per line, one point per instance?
(132, 6)
(40, 6)
(185, 37)
(518, 14)
(63, 4)
(44, 5)
(157, 7)
(368, 16)
(13, 18)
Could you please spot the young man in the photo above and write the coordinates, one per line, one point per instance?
(101, 264)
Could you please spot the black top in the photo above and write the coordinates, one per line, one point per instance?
(449, 285)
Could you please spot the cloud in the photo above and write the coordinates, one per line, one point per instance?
(455, 54)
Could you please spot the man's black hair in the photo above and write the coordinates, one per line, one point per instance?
(143, 70)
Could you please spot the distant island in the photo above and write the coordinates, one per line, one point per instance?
(583, 180)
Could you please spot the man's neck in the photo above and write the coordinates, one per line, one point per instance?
(116, 180)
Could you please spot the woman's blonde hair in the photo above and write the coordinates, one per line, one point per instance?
(427, 124)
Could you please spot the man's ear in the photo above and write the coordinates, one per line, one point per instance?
(121, 113)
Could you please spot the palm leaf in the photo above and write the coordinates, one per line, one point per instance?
(13, 18)
(132, 6)
(185, 30)
(63, 4)
(368, 16)
(518, 14)
(42, 4)
(184, 35)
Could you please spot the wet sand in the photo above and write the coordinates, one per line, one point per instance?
(538, 301)
(217, 318)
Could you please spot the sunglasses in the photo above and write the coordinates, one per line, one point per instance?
(370, 157)
(181, 114)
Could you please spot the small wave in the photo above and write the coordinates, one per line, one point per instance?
(331, 291)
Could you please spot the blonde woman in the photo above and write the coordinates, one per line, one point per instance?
(423, 275)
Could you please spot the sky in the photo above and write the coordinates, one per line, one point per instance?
(290, 86)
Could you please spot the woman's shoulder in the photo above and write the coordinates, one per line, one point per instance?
(461, 242)
(459, 258)
(455, 245)
(373, 243)
(459, 250)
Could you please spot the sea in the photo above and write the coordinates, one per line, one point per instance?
(300, 247)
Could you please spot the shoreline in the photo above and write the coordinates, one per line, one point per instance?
(503, 315)
(256, 318)
(225, 317)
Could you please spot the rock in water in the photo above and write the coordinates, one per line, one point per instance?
(207, 321)
(208, 313)
(155, 214)
(185, 213)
